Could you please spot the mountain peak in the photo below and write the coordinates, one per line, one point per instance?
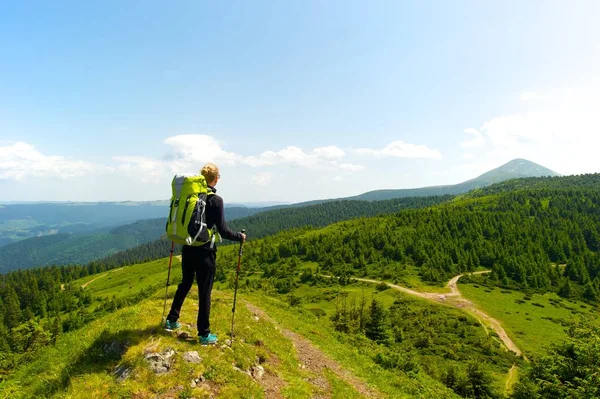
(517, 168)
(514, 169)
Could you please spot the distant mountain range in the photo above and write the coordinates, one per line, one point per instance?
(28, 220)
(81, 232)
(81, 248)
(512, 170)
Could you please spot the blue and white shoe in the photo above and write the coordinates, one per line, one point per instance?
(209, 339)
(172, 325)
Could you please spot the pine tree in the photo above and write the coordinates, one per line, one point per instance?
(590, 293)
(377, 328)
(55, 328)
(566, 289)
(12, 309)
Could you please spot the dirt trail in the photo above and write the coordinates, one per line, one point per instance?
(512, 378)
(455, 298)
(312, 359)
(102, 275)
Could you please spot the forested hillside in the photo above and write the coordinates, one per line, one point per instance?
(539, 238)
(21, 221)
(274, 221)
(65, 249)
(587, 181)
(69, 249)
(323, 214)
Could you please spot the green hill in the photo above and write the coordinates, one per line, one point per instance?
(63, 249)
(322, 214)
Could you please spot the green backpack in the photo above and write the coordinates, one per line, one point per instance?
(187, 217)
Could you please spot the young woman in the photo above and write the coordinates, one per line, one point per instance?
(200, 262)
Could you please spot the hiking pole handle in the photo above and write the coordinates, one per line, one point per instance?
(242, 242)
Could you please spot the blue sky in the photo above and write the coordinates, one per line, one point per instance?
(295, 100)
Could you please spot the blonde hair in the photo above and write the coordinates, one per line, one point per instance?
(210, 171)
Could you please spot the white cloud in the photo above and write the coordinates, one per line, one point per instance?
(263, 178)
(330, 152)
(22, 160)
(347, 167)
(476, 141)
(562, 132)
(145, 169)
(324, 157)
(400, 149)
(197, 149)
(289, 155)
(184, 154)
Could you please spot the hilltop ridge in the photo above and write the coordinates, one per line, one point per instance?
(517, 168)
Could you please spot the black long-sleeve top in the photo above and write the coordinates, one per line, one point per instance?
(215, 216)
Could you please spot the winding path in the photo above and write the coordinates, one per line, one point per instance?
(455, 298)
(102, 275)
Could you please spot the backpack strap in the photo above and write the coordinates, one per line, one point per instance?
(214, 231)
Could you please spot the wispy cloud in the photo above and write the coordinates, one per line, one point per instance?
(263, 178)
(330, 152)
(21, 160)
(146, 170)
(198, 148)
(562, 131)
(475, 141)
(400, 149)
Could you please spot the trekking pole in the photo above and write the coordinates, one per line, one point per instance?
(237, 274)
(168, 278)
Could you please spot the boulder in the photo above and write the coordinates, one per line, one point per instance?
(160, 363)
(257, 372)
(192, 357)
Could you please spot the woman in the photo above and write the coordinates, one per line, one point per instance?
(200, 261)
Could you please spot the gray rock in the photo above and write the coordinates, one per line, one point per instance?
(160, 363)
(115, 348)
(122, 373)
(155, 357)
(192, 357)
(258, 372)
(168, 354)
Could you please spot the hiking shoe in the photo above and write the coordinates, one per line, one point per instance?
(209, 339)
(172, 325)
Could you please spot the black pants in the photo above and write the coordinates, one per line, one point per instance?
(201, 263)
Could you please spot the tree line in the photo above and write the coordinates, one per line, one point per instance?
(538, 239)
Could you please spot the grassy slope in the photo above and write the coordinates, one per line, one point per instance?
(533, 328)
(81, 371)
